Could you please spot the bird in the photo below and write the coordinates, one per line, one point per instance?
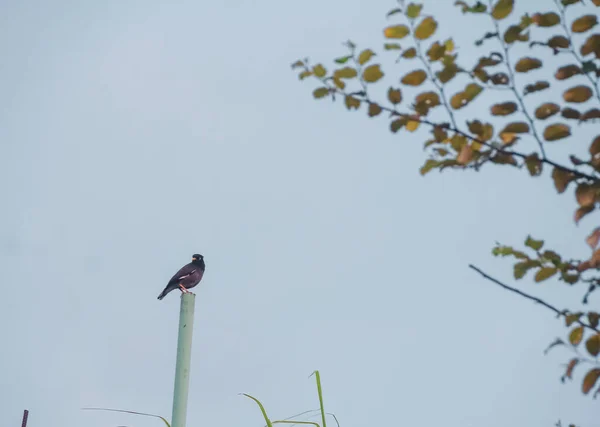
(187, 277)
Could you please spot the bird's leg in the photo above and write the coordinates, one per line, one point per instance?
(183, 289)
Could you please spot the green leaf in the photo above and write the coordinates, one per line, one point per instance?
(536, 245)
(413, 10)
(343, 59)
(414, 78)
(394, 12)
(426, 28)
(521, 268)
(576, 335)
(502, 9)
(429, 165)
(365, 55)
(396, 32)
(320, 92)
(392, 46)
(304, 74)
(372, 73)
(545, 273)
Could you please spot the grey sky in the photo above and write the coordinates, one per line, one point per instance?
(136, 133)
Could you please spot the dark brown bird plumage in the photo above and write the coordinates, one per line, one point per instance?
(187, 277)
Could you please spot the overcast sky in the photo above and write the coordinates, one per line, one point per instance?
(136, 133)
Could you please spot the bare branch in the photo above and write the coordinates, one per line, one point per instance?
(532, 298)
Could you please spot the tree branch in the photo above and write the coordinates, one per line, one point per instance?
(531, 298)
(514, 88)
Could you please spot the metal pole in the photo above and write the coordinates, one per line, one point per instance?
(25, 417)
(184, 353)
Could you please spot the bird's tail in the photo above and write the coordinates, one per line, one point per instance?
(164, 293)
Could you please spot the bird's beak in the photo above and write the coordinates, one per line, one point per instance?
(194, 259)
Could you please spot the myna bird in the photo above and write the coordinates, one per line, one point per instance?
(186, 278)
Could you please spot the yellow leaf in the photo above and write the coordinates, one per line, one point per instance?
(578, 94)
(595, 147)
(426, 28)
(593, 345)
(502, 9)
(549, 19)
(449, 45)
(534, 164)
(591, 45)
(527, 64)
(581, 212)
(556, 131)
(412, 125)
(365, 55)
(546, 110)
(351, 102)
(516, 127)
(395, 96)
(589, 381)
(409, 53)
(320, 92)
(584, 23)
(570, 113)
(585, 194)
(413, 10)
(545, 273)
(567, 71)
(465, 155)
(559, 42)
(504, 109)
(414, 78)
(570, 367)
(397, 124)
(374, 110)
(396, 32)
(345, 73)
(319, 70)
(576, 335)
(372, 73)
(561, 179)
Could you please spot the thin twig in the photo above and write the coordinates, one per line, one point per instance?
(432, 76)
(532, 298)
(514, 88)
(563, 21)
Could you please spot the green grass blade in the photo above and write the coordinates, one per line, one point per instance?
(320, 391)
(128, 412)
(262, 409)
(296, 422)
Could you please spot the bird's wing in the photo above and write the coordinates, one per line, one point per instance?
(184, 272)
